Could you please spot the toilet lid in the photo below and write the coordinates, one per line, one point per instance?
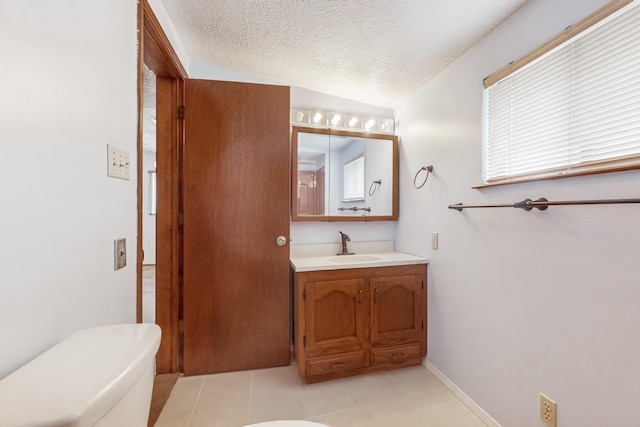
(81, 378)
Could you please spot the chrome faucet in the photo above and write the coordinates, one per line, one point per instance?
(345, 239)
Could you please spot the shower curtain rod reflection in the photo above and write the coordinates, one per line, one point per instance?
(542, 204)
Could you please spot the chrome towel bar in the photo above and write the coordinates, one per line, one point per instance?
(355, 209)
(542, 204)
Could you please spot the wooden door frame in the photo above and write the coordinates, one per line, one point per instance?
(155, 50)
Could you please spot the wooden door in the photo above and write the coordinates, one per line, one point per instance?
(397, 305)
(236, 204)
(335, 316)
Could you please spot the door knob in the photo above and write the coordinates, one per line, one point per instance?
(281, 241)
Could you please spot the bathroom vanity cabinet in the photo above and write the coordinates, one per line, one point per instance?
(353, 321)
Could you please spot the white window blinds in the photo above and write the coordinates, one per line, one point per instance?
(576, 107)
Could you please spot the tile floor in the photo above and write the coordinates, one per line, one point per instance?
(401, 398)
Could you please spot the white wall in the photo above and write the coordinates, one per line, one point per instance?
(521, 302)
(67, 89)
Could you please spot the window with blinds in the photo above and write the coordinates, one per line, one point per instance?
(574, 109)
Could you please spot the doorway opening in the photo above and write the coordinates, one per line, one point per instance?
(162, 247)
(149, 196)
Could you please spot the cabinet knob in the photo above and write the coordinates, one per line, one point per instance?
(281, 240)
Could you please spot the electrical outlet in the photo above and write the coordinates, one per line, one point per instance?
(548, 410)
(434, 240)
(117, 162)
(120, 253)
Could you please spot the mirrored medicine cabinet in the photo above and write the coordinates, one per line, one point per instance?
(343, 176)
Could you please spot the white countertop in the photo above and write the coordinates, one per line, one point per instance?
(366, 254)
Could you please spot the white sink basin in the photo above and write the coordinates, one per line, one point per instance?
(346, 259)
(323, 256)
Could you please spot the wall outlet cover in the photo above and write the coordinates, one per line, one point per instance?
(120, 253)
(548, 410)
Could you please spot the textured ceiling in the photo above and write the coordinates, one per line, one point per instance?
(377, 52)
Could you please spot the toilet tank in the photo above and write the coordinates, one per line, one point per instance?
(96, 377)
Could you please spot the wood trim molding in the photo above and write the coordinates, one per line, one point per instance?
(156, 52)
(159, 55)
(140, 88)
(607, 167)
(569, 32)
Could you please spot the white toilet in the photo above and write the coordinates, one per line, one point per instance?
(97, 377)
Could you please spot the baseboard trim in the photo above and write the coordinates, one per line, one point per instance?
(473, 406)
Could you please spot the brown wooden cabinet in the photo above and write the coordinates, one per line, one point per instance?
(352, 321)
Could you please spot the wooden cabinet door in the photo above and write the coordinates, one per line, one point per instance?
(397, 309)
(335, 316)
(236, 204)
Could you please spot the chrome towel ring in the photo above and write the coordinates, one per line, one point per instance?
(374, 186)
(429, 169)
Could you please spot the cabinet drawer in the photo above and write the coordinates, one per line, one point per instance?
(335, 363)
(395, 355)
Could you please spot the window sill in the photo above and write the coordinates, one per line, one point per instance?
(558, 175)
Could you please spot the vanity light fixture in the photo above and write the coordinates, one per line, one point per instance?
(337, 120)
(354, 122)
(371, 124)
(319, 118)
(386, 124)
(342, 121)
(299, 116)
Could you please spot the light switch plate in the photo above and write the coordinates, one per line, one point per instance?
(117, 162)
(434, 240)
(120, 253)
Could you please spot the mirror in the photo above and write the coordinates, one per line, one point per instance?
(343, 176)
